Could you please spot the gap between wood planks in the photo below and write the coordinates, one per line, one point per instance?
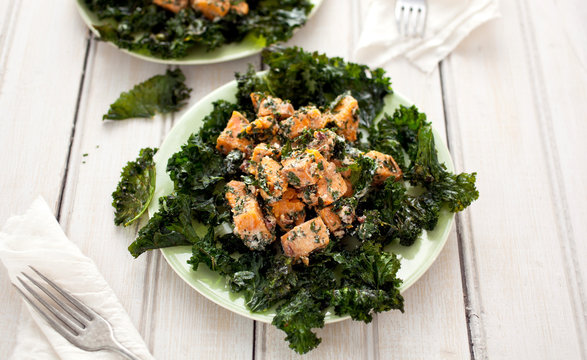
(574, 280)
(90, 36)
(466, 246)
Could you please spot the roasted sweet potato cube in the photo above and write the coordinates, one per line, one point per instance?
(263, 149)
(289, 211)
(325, 142)
(332, 221)
(307, 117)
(266, 105)
(330, 187)
(300, 241)
(303, 168)
(250, 225)
(249, 222)
(229, 139)
(345, 115)
(262, 128)
(269, 175)
(241, 8)
(386, 167)
(212, 9)
(235, 190)
(172, 5)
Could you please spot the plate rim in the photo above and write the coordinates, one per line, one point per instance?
(84, 13)
(330, 318)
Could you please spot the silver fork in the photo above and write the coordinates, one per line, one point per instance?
(84, 327)
(410, 16)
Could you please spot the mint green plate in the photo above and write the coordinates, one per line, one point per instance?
(415, 260)
(250, 45)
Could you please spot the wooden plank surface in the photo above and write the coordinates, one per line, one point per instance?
(36, 121)
(512, 277)
(514, 260)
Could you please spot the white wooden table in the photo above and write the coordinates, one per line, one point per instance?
(512, 100)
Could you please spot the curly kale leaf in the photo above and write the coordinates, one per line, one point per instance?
(135, 189)
(403, 216)
(398, 133)
(425, 168)
(161, 93)
(369, 283)
(297, 318)
(196, 167)
(275, 20)
(208, 250)
(372, 226)
(172, 225)
(456, 191)
(312, 78)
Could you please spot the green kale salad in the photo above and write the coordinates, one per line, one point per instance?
(169, 29)
(301, 183)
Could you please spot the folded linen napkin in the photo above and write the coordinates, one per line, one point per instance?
(36, 239)
(449, 22)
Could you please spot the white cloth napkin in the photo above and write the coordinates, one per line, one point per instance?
(449, 22)
(36, 239)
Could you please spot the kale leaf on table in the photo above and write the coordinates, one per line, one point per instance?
(159, 94)
(135, 189)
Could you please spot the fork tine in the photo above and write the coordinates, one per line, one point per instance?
(68, 309)
(399, 11)
(417, 18)
(89, 313)
(66, 328)
(422, 28)
(407, 19)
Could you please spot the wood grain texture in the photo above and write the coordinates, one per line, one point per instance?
(38, 94)
(511, 237)
(514, 97)
(557, 86)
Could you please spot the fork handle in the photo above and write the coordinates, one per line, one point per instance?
(119, 348)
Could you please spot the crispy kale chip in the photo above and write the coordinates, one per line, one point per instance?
(135, 189)
(172, 225)
(143, 27)
(312, 78)
(406, 215)
(297, 318)
(178, 218)
(209, 251)
(369, 283)
(275, 20)
(196, 167)
(161, 93)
